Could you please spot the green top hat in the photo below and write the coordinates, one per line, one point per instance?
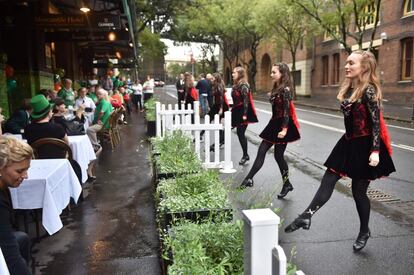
(40, 105)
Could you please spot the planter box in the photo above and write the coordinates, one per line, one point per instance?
(151, 131)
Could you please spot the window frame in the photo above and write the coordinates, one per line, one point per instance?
(336, 65)
(325, 70)
(406, 11)
(404, 43)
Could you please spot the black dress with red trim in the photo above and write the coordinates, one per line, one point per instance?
(219, 102)
(189, 97)
(283, 116)
(242, 105)
(365, 133)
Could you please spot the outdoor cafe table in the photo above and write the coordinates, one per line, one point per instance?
(50, 185)
(82, 152)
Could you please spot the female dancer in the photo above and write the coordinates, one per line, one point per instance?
(281, 129)
(363, 152)
(243, 111)
(220, 104)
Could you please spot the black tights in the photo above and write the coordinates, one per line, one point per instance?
(241, 131)
(359, 192)
(279, 157)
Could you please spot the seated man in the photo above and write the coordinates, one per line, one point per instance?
(19, 119)
(41, 127)
(101, 117)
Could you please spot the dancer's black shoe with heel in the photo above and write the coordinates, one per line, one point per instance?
(303, 221)
(246, 183)
(244, 159)
(287, 187)
(361, 241)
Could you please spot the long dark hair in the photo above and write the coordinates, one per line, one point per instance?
(218, 82)
(285, 80)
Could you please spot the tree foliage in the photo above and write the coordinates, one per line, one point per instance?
(344, 19)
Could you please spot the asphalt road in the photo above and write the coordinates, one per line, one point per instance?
(321, 129)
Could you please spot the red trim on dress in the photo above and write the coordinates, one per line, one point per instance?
(293, 115)
(251, 103)
(385, 136)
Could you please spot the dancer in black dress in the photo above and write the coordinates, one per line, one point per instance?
(243, 111)
(363, 152)
(281, 129)
(219, 103)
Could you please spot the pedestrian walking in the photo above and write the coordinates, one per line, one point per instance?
(243, 112)
(281, 129)
(202, 87)
(190, 92)
(363, 153)
(179, 85)
(148, 88)
(137, 95)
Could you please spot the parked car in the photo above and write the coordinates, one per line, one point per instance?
(158, 83)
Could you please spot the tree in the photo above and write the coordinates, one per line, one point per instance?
(343, 19)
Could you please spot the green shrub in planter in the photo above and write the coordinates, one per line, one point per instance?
(192, 192)
(208, 248)
(176, 155)
(150, 109)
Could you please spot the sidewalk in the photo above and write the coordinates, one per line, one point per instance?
(113, 231)
(327, 247)
(398, 112)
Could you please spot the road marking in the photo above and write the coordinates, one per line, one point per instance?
(172, 95)
(401, 146)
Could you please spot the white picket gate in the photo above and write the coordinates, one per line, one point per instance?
(169, 119)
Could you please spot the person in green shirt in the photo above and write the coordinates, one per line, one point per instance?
(101, 117)
(92, 93)
(67, 94)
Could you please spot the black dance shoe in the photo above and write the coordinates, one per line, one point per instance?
(361, 241)
(300, 222)
(287, 187)
(244, 160)
(246, 183)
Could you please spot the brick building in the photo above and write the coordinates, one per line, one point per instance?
(320, 68)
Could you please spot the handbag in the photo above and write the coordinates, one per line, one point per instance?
(75, 128)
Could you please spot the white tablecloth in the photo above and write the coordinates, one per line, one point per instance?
(83, 152)
(3, 266)
(50, 184)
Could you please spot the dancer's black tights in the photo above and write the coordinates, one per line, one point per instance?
(279, 157)
(241, 131)
(359, 192)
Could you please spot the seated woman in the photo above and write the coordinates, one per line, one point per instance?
(15, 159)
(74, 126)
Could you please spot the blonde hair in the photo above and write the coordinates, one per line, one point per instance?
(367, 77)
(241, 75)
(13, 150)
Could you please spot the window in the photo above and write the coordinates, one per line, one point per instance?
(409, 7)
(335, 71)
(407, 65)
(367, 17)
(325, 70)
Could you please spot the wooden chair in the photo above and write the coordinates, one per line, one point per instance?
(51, 148)
(109, 133)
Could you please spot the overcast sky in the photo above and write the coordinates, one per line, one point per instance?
(183, 52)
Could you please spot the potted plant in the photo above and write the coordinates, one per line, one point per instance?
(192, 196)
(207, 248)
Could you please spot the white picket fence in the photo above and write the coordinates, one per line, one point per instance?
(171, 119)
(262, 253)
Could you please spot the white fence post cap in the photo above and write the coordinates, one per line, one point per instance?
(259, 217)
